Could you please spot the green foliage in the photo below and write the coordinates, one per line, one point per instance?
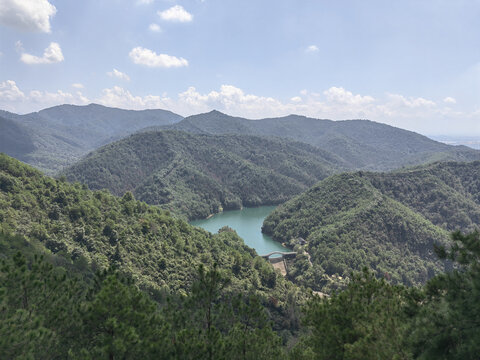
(356, 144)
(388, 222)
(37, 303)
(118, 322)
(447, 322)
(46, 313)
(213, 323)
(15, 139)
(445, 193)
(372, 319)
(51, 308)
(159, 252)
(364, 321)
(199, 175)
(349, 224)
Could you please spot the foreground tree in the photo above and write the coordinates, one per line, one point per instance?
(119, 322)
(38, 302)
(364, 321)
(213, 323)
(447, 325)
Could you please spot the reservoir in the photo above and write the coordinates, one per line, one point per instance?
(247, 222)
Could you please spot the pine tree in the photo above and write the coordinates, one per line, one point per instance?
(447, 325)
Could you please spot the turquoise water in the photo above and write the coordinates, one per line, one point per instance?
(248, 224)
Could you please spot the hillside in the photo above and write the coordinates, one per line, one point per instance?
(361, 144)
(15, 139)
(54, 138)
(66, 302)
(96, 229)
(197, 175)
(388, 222)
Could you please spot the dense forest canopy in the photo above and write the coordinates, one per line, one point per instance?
(61, 135)
(51, 308)
(196, 175)
(86, 274)
(93, 229)
(388, 222)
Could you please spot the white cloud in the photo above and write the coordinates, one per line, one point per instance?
(77, 86)
(341, 96)
(176, 14)
(16, 100)
(27, 15)
(154, 28)
(409, 102)
(147, 57)
(46, 98)
(312, 49)
(9, 91)
(121, 98)
(413, 113)
(118, 75)
(52, 54)
(449, 100)
(144, 2)
(233, 101)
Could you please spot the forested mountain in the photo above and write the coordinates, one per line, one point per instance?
(54, 138)
(61, 135)
(79, 231)
(169, 290)
(361, 144)
(388, 222)
(97, 230)
(197, 175)
(15, 139)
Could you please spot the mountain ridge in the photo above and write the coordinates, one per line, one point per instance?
(198, 174)
(349, 139)
(388, 222)
(63, 134)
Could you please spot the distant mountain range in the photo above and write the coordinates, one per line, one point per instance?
(387, 222)
(56, 137)
(361, 144)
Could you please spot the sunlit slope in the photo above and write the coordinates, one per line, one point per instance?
(93, 228)
(197, 175)
(349, 224)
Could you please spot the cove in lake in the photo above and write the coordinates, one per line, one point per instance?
(247, 222)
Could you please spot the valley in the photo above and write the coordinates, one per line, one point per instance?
(196, 175)
(240, 180)
(246, 187)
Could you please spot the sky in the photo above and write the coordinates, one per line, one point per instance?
(410, 64)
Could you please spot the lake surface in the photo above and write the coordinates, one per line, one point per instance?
(248, 225)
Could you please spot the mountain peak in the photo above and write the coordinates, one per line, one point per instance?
(216, 112)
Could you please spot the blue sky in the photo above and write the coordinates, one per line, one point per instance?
(412, 64)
